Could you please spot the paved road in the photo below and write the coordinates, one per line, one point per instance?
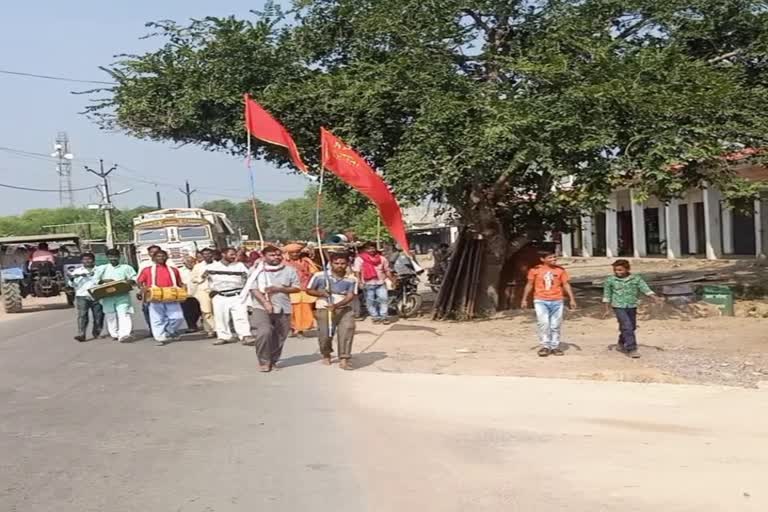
(190, 427)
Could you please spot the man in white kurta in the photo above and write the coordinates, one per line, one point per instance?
(227, 306)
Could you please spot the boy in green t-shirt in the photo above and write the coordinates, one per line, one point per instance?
(620, 293)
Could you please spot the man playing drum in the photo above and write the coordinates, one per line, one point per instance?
(161, 284)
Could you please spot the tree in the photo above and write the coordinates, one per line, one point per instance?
(519, 114)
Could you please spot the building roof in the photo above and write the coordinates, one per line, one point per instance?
(31, 239)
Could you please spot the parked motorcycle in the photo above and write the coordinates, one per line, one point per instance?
(435, 280)
(405, 298)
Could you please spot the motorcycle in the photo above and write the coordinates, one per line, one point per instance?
(435, 280)
(405, 298)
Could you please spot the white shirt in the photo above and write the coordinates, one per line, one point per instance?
(222, 283)
(186, 278)
(83, 280)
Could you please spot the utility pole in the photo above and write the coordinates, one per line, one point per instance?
(106, 204)
(188, 193)
(64, 169)
(159, 202)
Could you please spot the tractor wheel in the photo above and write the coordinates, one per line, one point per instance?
(11, 297)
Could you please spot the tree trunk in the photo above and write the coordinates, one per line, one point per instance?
(487, 225)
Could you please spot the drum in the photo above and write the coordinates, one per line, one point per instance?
(167, 294)
(111, 289)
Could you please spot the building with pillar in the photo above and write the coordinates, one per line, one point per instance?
(698, 224)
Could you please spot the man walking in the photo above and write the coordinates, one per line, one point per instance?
(202, 291)
(151, 251)
(372, 271)
(82, 280)
(117, 308)
(333, 309)
(190, 307)
(166, 318)
(226, 279)
(271, 285)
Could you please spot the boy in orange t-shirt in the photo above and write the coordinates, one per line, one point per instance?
(549, 283)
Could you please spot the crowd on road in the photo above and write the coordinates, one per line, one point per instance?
(261, 298)
(256, 298)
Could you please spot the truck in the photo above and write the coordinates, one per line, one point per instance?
(182, 232)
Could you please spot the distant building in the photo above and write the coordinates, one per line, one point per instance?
(698, 224)
(427, 228)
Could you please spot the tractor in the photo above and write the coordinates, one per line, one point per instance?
(21, 278)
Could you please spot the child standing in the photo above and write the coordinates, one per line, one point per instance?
(549, 283)
(620, 292)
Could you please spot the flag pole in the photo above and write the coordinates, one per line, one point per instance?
(250, 170)
(378, 232)
(318, 204)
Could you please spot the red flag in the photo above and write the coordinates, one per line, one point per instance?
(345, 163)
(260, 124)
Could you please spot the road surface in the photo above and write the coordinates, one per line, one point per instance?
(101, 426)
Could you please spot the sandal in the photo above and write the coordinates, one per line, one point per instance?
(544, 352)
(557, 352)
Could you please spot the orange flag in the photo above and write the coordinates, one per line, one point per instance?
(351, 168)
(260, 124)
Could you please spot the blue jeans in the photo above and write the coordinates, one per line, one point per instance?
(145, 310)
(549, 318)
(166, 319)
(627, 318)
(377, 301)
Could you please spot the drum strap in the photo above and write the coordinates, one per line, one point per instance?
(170, 271)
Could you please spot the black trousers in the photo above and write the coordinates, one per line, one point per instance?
(85, 305)
(191, 309)
(627, 318)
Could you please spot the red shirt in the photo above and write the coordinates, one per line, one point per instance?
(163, 279)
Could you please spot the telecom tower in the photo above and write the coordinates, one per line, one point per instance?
(64, 169)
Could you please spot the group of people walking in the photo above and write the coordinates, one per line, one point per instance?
(254, 301)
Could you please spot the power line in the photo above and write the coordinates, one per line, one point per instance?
(59, 78)
(42, 189)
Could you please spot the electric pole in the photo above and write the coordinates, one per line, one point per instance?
(64, 169)
(106, 197)
(159, 201)
(188, 193)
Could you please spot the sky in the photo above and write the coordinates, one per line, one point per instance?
(71, 39)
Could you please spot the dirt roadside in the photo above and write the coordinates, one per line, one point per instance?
(677, 346)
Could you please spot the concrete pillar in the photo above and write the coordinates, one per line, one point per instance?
(712, 223)
(693, 240)
(612, 227)
(759, 228)
(566, 245)
(587, 236)
(672, 228)
(726, 217)
(638, 226)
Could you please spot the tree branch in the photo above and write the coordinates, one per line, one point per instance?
(726, 56)
(478, 19)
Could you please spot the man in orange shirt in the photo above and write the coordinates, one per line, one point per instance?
(549, 283)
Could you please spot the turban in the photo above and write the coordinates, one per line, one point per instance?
(293, 248)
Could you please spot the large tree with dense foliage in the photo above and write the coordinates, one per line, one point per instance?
(519, 114)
